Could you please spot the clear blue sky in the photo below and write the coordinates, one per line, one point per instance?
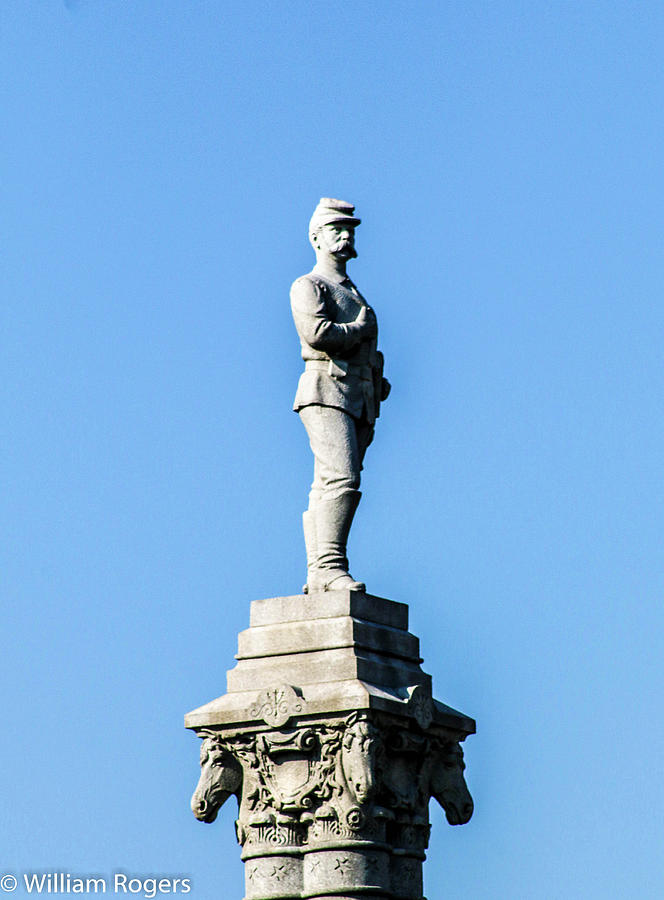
(160, 160)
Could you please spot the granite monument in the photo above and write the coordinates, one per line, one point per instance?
(328, 736)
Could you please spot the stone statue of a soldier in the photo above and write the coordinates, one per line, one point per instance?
(339, 392)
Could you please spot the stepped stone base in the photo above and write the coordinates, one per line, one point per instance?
(330, 739)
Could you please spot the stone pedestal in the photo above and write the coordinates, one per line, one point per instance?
(331, 741)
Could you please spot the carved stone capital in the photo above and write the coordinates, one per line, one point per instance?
(345, 799)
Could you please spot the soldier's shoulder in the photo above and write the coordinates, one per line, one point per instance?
(307, 284)
(309, 278)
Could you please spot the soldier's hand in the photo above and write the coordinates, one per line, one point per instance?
(366, 319)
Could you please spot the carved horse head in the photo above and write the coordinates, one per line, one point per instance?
(221, 776)
(358, 757)
(448, 785)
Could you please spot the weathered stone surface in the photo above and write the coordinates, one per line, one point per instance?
(329, 604)
(326, 634)
(336, 664)
(333, 752)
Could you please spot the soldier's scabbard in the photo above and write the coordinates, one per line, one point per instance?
(377, 374)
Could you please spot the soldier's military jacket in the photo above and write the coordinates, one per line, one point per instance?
(341, 370)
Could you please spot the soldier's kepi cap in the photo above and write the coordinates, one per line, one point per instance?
(330, 211)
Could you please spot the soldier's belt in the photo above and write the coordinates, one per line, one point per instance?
(338, 368)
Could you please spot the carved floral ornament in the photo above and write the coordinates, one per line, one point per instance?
(420, 704)
(276, 705)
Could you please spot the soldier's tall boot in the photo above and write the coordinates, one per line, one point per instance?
(332, 520)
(309, 529)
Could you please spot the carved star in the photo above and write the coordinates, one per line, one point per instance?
(277, 872)
(314, 865)
(341, 865)
(253, 872)
(410, 870)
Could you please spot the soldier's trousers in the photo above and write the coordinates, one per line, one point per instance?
(338, 442)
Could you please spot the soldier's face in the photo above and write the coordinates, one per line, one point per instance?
(339, 240)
